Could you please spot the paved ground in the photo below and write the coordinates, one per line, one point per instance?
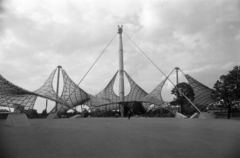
(122, 138)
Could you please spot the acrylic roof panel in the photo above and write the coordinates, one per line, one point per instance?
(17, 97)
(14, 96)
(202, 93)
(16, 101)
(72, 93)
(136, 92)
(9, 88)
(155, 96)
(108, 93)
(96, 101)
(47, 91)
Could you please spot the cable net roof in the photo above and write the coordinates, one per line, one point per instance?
(107, 95)
(155, 96)
(72, 93)
(136, 92)
(15, 97)
(202, 93)
(96, 101)
(47, 91)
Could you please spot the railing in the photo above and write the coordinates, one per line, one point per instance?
(224, 111)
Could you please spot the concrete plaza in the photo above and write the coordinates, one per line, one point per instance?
(122, 138)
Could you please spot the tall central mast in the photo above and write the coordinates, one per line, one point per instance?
(59, 67)
(121, 70)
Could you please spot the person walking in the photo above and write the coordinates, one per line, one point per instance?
(129, 114)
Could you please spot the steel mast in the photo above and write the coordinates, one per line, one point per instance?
(177, 68)
(59, 67)
(121, 70)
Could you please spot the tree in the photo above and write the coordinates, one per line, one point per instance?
(31, 113)
(4, 110)
(136, 107)
(85, 113)
(227, 89)
(187, 90)
(44, 113)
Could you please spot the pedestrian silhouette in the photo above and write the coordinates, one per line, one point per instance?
(129, 114)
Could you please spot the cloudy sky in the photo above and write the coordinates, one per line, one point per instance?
(201, 37)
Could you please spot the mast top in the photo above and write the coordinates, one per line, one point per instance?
(120, 29)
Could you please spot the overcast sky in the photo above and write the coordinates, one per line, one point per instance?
(201, 37)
